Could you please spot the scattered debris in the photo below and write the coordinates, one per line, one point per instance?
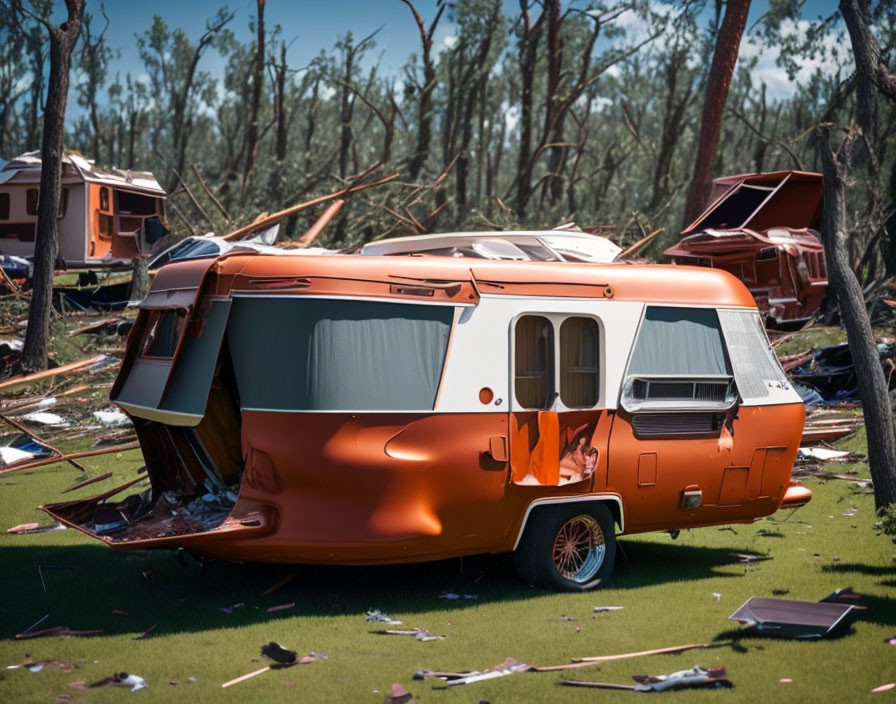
(884, 688)
(229, 609)
(111, 417)
(279, 585)
(87, 482)
(508, 667)
(29, 528)
(379, 617)
(38, 665)
(604, 609)
(716, 596)
(278, 653)
(398, 695)
(824, 454)
(44, 418)
(696, 677)
(587, 662)
(119, 679)
(281, 607)
(145, 633)
(451, 596)
(282, 657)
(792, 619)
(56, 631)
(749, 558)
(831, 373)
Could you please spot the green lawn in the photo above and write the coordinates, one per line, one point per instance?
(665, 586)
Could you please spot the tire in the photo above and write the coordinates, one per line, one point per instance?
(588, 533)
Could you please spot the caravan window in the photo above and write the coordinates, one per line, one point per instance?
(579, 370)
(31, 201)
(135, 203)
(534, 361)
(4, 206)
(163, 332)
(679, 361)
(307, 354)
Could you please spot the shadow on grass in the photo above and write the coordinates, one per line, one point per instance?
(81, 585)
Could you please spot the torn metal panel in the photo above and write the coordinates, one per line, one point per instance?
(763, 228)
(792, 619)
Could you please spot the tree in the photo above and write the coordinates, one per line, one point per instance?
(93, 61)
(62, 42)
(172, 62)
(872, 79)
(721, 70)
(425, 89)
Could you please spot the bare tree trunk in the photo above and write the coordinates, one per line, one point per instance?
(424, 109)
(62, 41)
(720, 72)
(139, 279)
(257, 81)
(878, 416)
(528, 57)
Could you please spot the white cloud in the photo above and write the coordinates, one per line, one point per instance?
(834, 54)
(450, 41)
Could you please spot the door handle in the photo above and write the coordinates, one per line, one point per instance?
(497, 447)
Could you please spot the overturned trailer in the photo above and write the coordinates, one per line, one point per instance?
(378, 409)
(106, 217)
(763, 228)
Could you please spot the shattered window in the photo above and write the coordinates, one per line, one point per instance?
(163, 332)
(294, 354)
(579, 377)
(756, 367)
(534, 361)
(135, 204)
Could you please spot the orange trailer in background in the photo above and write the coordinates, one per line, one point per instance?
(378, 409)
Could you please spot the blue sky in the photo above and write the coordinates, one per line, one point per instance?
(314, 24)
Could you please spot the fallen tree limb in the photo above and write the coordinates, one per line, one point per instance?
(276, 217)
(70, 457)
(46, 373)
(587, 662)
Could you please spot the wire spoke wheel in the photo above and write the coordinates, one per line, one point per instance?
(579, 548)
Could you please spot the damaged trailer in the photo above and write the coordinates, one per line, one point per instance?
(763, 228)
(375, 409)
(106, 217)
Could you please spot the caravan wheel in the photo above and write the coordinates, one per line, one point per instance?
(568, 548)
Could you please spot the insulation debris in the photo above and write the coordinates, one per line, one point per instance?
(111, 417)
(379, 617)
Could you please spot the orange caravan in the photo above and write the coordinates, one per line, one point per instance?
(106, 218)
(382, 409)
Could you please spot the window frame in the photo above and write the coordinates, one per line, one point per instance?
(556, 319)
(457, 310)
(633, 405)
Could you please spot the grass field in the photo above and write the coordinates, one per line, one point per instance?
(665, 586)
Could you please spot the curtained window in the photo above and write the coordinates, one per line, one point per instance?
(304, 354)
(534, 361)
(579, 370)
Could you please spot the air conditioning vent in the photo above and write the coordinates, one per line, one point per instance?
(654, 425)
